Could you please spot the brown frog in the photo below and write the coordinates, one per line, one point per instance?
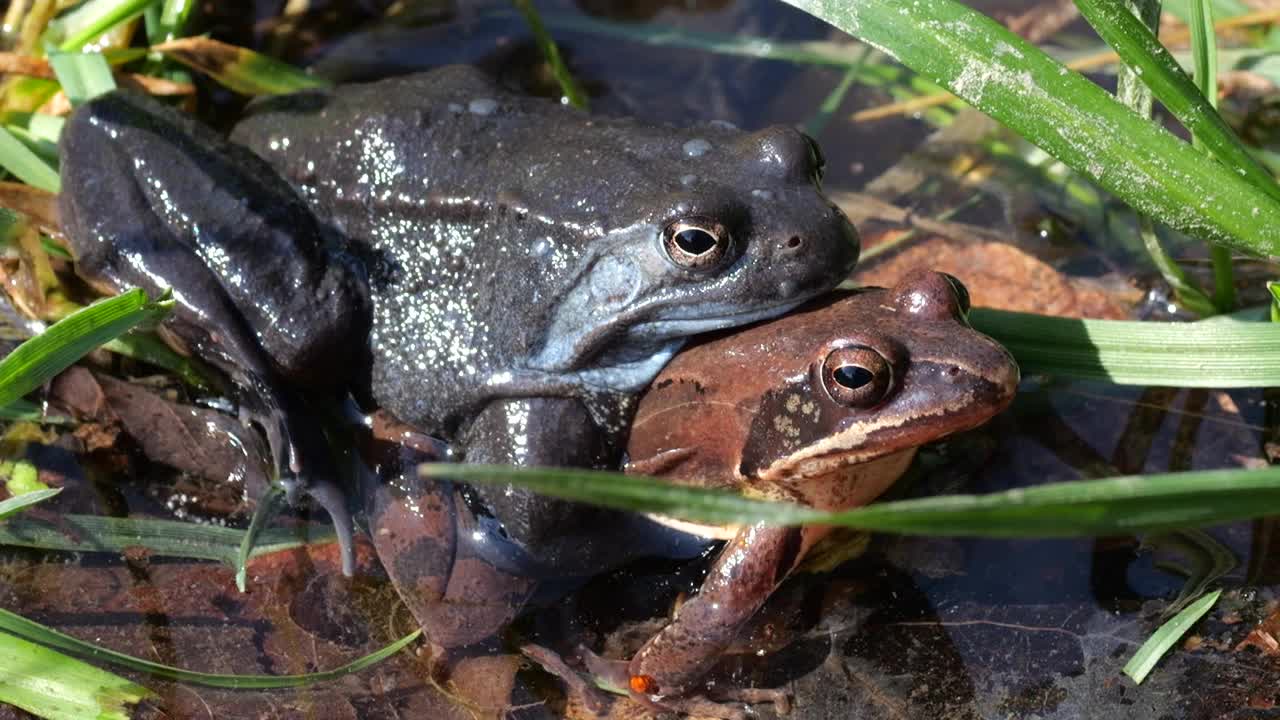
(825, 407)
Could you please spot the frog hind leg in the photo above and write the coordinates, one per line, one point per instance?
(152, 199)
(446, 566)
(664, 672)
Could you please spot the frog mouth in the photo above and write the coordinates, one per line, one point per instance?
(666, 328)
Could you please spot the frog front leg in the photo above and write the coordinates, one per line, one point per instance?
(664, 673)
(152, 199)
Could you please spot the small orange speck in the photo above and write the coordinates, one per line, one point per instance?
(643, 685)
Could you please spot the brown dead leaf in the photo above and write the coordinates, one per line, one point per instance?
(40, 206)
(1001, 276)
(19, 64)
(1265, 637)
(199, 442)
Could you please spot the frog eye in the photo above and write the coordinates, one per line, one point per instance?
(857, 376)
(696, 243)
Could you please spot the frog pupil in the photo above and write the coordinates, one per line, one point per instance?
(852, 376)
(695, 241)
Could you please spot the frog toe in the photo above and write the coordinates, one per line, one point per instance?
(329, 496)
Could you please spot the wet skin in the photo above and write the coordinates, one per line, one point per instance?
(483, 265)
(825, 407)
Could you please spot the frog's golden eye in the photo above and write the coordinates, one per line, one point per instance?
(856, 376)
(697, 243)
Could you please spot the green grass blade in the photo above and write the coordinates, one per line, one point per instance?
(1068, 116)
(38, 633)
(30, 412)
(268, 507)
(1139, 48)
(1145, 659)
(25, 164)
(95, 17)
(1217, 354)
(572, 91)
(149, 348)
(40, 358)
(1111, 506)
(19, 503)
(239, 69)
(50, 685)
(83, 76)
(162, 538)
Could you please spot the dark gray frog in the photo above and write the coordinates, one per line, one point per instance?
(527, 267)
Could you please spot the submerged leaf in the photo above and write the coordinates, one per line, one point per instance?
(1145, 659)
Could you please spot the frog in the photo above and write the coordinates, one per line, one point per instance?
(825, 407)
(481, 264)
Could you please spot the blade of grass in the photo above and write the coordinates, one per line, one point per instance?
(1204, 52)
(30, 412)
(51, 685)
(83, 76)
(35, 632)
(162, 538)
(1217, 354)
(1145, 659)
(95, 17)
(23, 163)
(1066, 115)
(151, 349)
(1140, 49)
(268, 506)
(40, 358)
(19, 503)
(569, 87)
(1136, 95)
(818, 121)
(239, 69)
(1118, 505)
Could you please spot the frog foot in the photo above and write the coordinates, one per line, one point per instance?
(329, 496)
(551, 661)
(285, 440)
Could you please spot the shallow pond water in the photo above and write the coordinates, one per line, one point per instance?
(912, 628)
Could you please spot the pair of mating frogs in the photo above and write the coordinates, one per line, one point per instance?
(509, 275)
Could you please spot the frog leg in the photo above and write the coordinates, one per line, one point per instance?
(743, 576)
(152, 199)
(446, 566)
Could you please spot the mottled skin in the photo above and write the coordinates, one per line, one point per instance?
(763, 411)
(519, 265)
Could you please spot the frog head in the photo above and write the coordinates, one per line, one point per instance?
(726, 228)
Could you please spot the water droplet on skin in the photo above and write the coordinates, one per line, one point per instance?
(483, 106)
(696, 147)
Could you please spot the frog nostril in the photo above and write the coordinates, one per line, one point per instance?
(795, 242)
